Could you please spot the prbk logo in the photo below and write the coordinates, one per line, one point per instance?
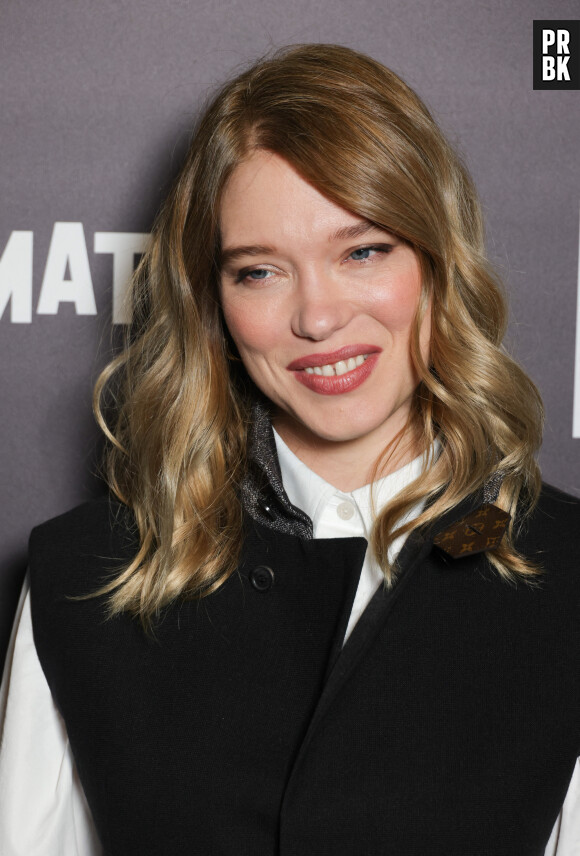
(556, 54)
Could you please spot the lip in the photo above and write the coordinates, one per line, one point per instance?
(311, 360)
(336, 384)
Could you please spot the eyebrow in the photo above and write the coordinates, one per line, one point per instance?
(232, 254)
(355, 231)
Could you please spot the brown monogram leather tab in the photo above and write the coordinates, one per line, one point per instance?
(481, 530)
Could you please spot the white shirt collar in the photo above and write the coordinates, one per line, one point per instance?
(311, 493)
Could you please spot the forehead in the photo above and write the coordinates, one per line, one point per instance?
(266, 196)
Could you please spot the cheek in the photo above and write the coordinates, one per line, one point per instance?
(252, 331)
(396, 306)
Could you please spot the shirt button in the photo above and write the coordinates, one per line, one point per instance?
(262, 578)
(345, 510)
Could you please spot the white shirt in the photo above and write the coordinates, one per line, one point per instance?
(43, 811)
(336, 514)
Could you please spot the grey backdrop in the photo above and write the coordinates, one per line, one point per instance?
(96, 100)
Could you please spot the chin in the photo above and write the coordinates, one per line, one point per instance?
(330, 431)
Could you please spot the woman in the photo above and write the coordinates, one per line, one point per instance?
(315, 363)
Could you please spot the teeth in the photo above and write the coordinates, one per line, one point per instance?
(339, 368)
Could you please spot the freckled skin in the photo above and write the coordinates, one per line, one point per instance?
(298, 289)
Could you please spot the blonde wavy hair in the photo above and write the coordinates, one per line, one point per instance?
(178, 436)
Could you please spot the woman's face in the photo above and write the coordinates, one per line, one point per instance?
(320, 304)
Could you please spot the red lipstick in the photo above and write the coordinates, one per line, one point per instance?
(335, 384)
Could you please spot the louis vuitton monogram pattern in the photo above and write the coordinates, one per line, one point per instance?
(478, 531)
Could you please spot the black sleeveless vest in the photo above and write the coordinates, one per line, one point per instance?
(448, 725)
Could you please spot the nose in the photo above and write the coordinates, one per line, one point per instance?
(320, 308)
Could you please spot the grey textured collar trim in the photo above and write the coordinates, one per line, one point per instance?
(262, 490)
(492, 486)
(263, 494)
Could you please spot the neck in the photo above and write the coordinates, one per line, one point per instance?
(348, 464)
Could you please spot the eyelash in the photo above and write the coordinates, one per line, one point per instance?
(377, 248)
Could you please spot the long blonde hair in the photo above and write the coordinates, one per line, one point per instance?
(178, 438)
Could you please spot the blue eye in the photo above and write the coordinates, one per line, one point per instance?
(362, 253)
(255, 274)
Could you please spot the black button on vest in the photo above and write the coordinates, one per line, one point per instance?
(262, 578)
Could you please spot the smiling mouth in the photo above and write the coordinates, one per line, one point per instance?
(336, 372)
(339, 368)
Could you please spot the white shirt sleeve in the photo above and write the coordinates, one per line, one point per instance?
(43, 810)
(565, 837)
